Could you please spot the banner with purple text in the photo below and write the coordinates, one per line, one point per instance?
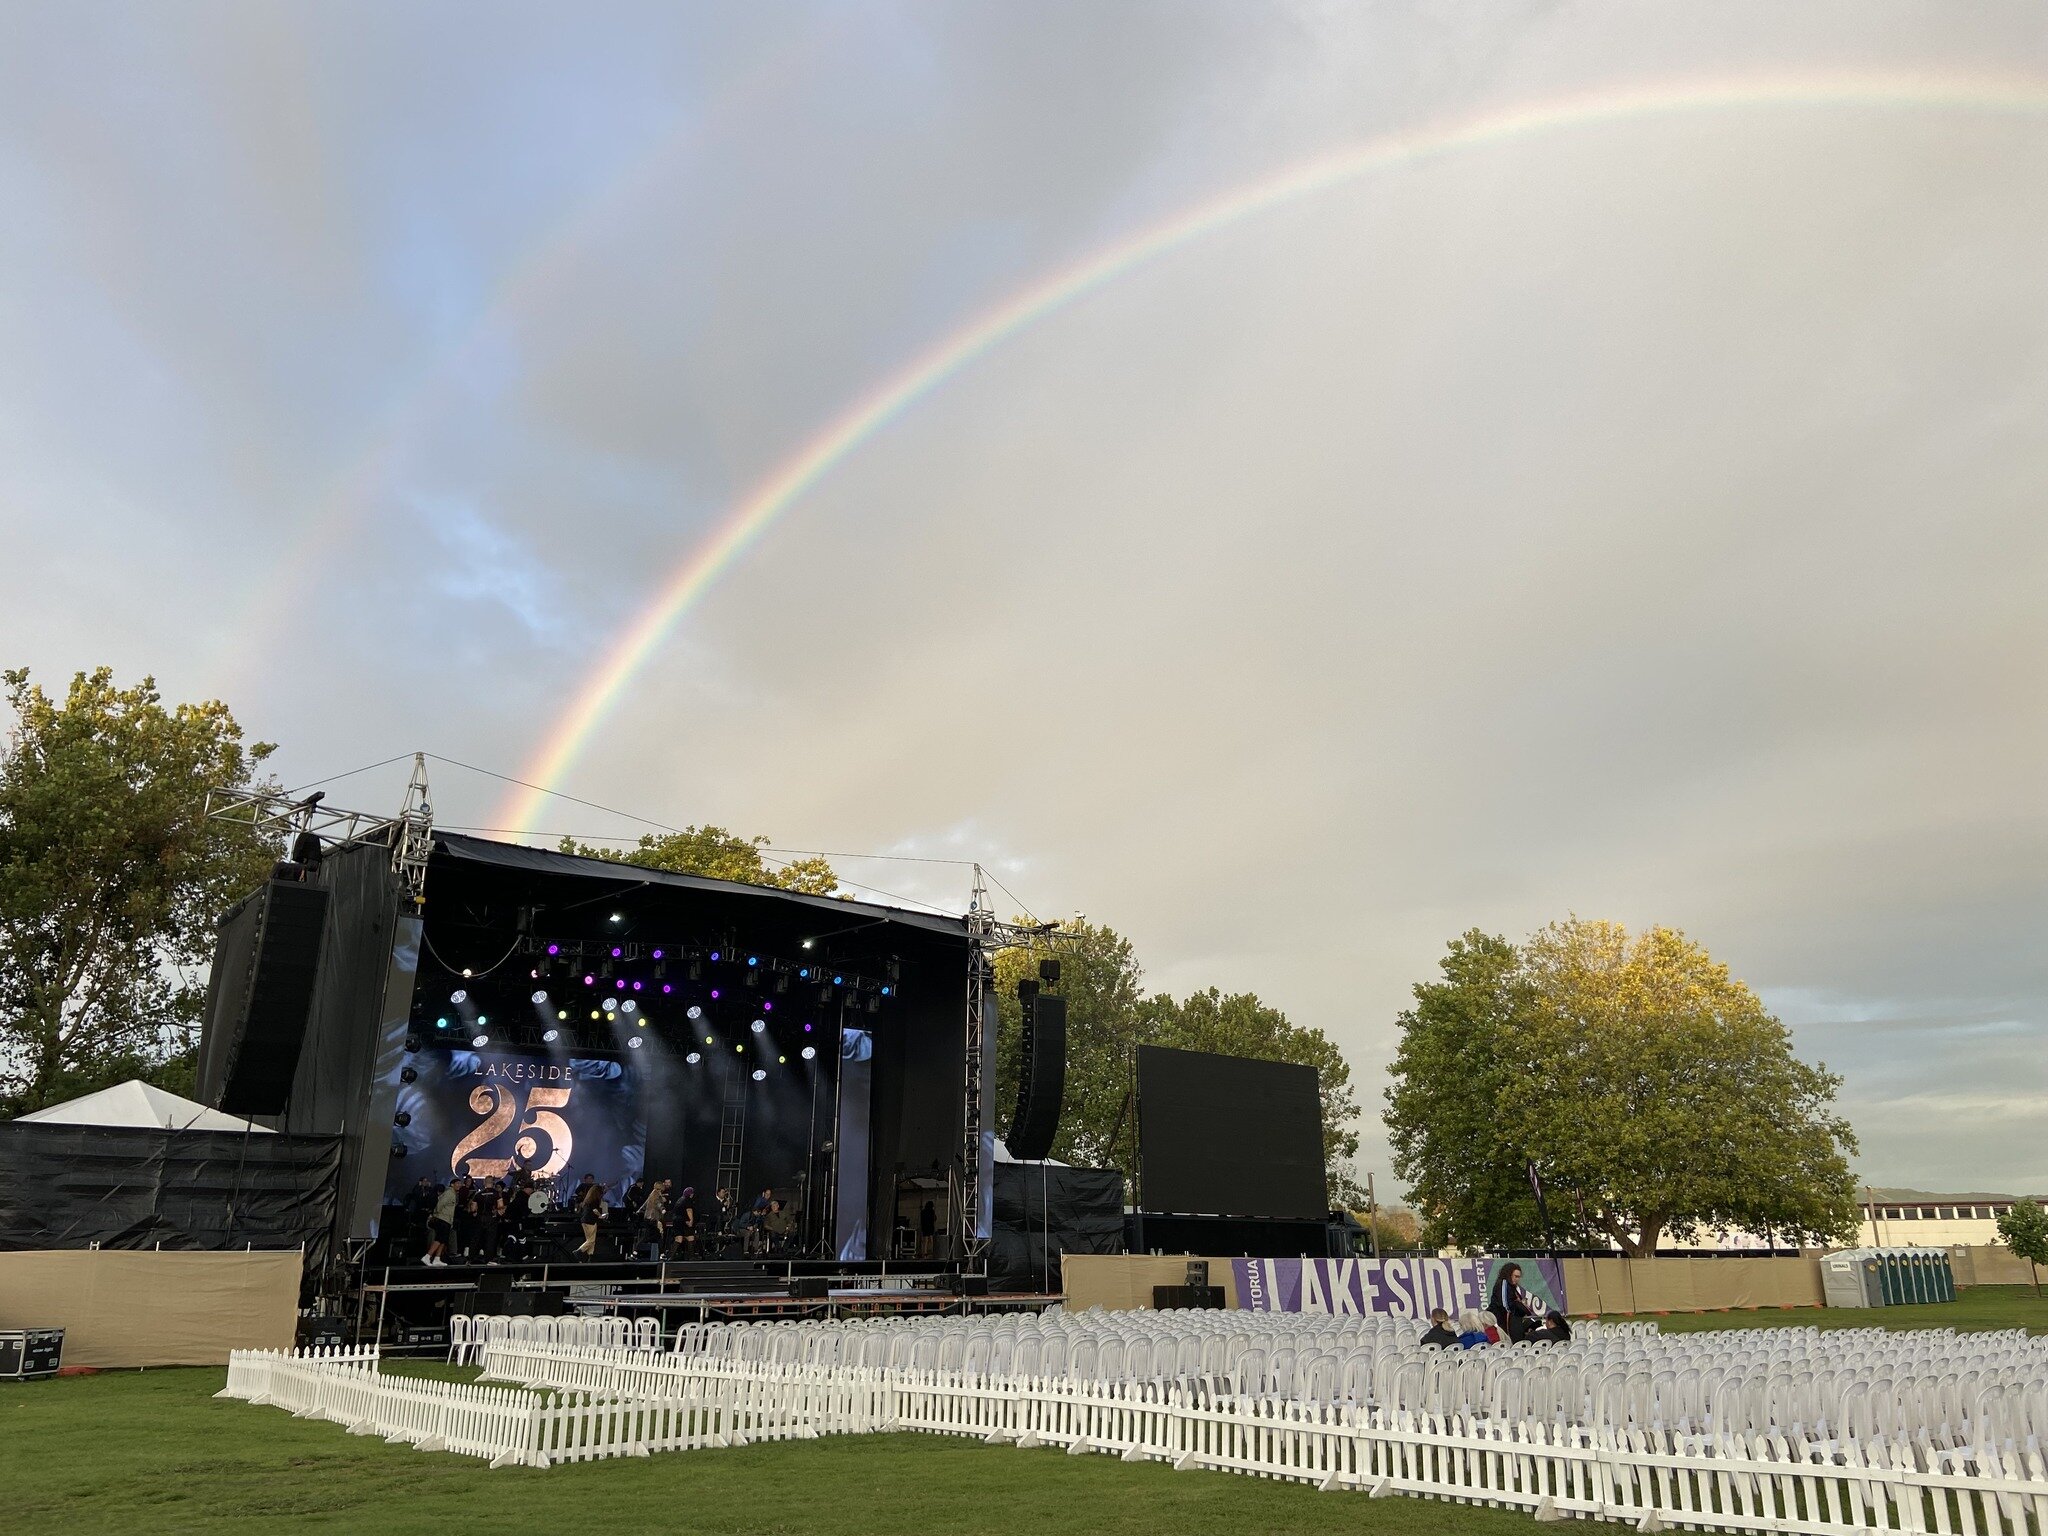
(1397, 1287)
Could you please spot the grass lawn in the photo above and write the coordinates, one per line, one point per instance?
(1981, 1306)
(152, 1451)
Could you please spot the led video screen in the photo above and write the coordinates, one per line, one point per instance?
(1226, 1136)
(479, 1113)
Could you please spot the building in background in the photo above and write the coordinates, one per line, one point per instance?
(1916, 1218)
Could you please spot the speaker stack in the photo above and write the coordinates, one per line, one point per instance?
(1042, 1074)
(268, 1029)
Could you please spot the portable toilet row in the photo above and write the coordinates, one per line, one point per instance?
(1887, 1277)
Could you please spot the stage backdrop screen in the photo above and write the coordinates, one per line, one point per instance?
(474, 1112)
(1225, 1136)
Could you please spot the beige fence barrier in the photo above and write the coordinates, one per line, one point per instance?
(1989, 1264)
(1122, 1282)
(1691, 1285)
(121, 1307)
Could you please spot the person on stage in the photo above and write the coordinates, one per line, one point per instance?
(654, 1217)
(441, 1227)
(589, 1213)
(684, 1223)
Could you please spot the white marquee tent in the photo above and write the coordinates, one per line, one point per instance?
(138, 1104)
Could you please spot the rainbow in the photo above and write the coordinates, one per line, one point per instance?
(742, 528)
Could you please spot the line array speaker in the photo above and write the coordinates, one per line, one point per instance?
(269, 1029)
(1042, 1073)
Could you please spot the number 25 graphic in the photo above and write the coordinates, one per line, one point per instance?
(497, 1104)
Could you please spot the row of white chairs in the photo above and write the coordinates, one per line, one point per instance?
(469, 1334)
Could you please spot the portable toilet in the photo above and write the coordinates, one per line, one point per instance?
(1851, 1279)
(1944, 1277)
(1923, 1275)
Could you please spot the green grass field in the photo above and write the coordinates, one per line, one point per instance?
(1983, 1306)
(153, 1452)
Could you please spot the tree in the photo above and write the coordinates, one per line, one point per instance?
(718, 855)
(1468, 1181)
(111, 877)
(2024, 1226)
(1109, 1014)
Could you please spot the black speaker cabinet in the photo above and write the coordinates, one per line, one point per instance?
(276, 997)
(1042, 1074)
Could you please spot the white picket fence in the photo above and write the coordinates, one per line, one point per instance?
(602, 1402)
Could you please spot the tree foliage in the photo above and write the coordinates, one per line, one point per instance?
(1652, 1091)
(719, 855)
(2024, 1226)
(1109, 1014)
(111, 877)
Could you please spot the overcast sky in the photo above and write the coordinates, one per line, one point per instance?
(1642, 518)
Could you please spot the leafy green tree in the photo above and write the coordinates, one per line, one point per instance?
(718, 855)
(1657, 1087)
(1109, 1015)
(1466, 1177)
(111, 877)
(2024, 1226)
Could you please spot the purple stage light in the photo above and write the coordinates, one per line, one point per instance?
(621, 983)
(666, 987)
(616, 953)
(714, 994)
(807, 1029)
(714, 954)
(657, 954)
(636, 986)
(766, 1006)
(590, 981)
(554, 949)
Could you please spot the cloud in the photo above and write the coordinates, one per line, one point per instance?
(1640, 520)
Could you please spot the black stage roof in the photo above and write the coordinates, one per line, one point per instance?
(462, 849)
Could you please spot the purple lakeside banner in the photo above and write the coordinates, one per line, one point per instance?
(1402, 1287)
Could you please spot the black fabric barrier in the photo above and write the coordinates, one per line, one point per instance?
(1044, 1210)
(71, 1186)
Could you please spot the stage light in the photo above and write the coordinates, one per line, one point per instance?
(807, 1026)
(630, 1006)
(657, 954)
(760, 1074)
(554, 949)
(633, 1044)
(714, 955)
(620, 984)
(752, 961)
(549, 1037)
(440, 1023)
(541, 996)
(610, 1005)
(810, 1053)
(759, 1025)
(782, 1061)
(402, 1118)
(741, 1049)
(666, 989)
(807, 943)
(595, 1014)
(480, 1041)
(708, 1040)
(618, 917)
(838, 981)
(459, 995)
(481, 1019)
(885, 991)
(637, 985)
(409, 1075)
(616, 953)
(534, 973)
(714, 994)
(805, 973)
(561, 1013)
(766, 1006)
(693, 1012)
(467, 972)
(694, 1057)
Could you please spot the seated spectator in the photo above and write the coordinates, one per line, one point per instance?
(1471, 1330)
(1439, 1335)
(1547, 1327)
